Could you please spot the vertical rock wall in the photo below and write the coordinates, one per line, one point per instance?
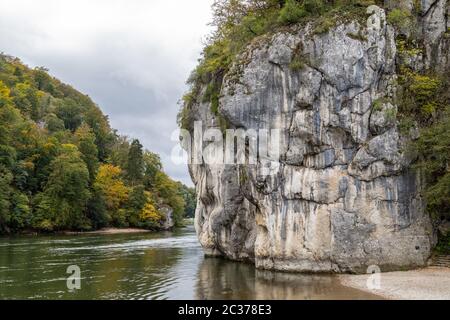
(343, 197)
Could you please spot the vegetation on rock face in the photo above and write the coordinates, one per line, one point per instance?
(63, 168)
(443, 246)
(400, 18)
(433, 150)
(424, 104)
(238, 22)
(423, 95)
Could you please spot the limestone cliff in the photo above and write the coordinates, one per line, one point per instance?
(344, 196)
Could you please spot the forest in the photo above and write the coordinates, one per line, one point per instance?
(63, 168)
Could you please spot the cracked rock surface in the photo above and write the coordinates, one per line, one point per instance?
(343, 197)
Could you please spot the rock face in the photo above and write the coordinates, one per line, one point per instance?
(168, 223)
(342, 198)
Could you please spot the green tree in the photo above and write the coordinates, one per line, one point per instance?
(5, 193)
(71, 113)
(104, 137)
(292, 12)
(20, 214)
(43, 80)
(119, 152)
(136, 202)
(53, 123)
(60, 161)
(168, 191)
(190, 199)
(64, 200)
(152, 163)
(96, 210)
(85, 140)
(433, 149)
(135, 165)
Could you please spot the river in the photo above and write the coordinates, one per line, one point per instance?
(167, 265)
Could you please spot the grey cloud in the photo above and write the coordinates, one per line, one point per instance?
(135, 73)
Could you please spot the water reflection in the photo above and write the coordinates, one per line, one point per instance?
(220, 279)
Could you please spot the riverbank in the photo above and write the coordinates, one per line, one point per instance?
(108, 231)
(426, 284)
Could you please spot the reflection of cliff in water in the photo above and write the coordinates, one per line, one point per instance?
(221, 279)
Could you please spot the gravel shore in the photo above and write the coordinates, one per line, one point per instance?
(425, 284)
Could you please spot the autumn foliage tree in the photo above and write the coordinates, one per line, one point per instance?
(114, 191)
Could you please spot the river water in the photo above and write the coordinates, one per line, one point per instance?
(166, 265)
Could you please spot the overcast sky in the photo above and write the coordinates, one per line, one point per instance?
(131, 56)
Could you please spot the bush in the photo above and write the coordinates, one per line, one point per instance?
(424, 88)
(292, 12)
(420, 95)
(314, 6)
(297, 63)
(401, 19)
(433, 148)
(324, 25)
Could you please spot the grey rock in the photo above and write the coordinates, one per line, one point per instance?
(383, 119)
(342, 197)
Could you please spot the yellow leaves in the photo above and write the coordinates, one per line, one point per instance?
(5, 94)
(69, 148)
(150, 214)
(109, 181)
(28, 165)
(22, 88)
(424, 87)
(108, 172)
(49, 146)
(41, 94)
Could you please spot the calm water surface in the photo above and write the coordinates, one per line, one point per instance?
(145, 266)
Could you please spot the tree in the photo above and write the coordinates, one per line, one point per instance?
(27, 98)
(85, 140)
(433, 149)
(63, 203)
(115, 192)
(119, 152)
(37, 165)
(5, 194)
(190, 199)
(167, 190)
(20, 215)
(71, 113)
(60, 161)
(150, 217)
(136, 202)
(96, 210)
(135, 165)
(43, 80)
(104, 137)
(5, 95)
(53, 123)
(152, 164)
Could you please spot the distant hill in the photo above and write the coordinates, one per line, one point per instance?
(62, 167)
